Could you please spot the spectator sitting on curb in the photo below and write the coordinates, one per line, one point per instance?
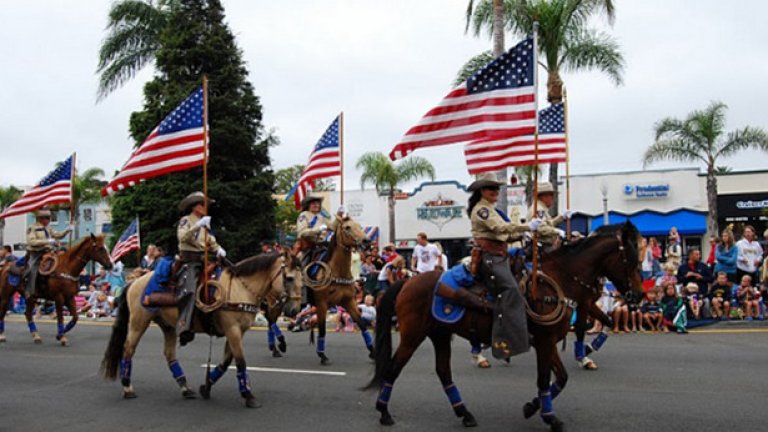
(720, 297)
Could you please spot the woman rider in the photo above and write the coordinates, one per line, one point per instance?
(492, 229)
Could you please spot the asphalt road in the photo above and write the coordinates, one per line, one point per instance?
(710, 381)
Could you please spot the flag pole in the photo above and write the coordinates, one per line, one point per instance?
(567, 165)
(138, 237)
(341, 154)
(72, 196)
(535, 154)
(205, 185)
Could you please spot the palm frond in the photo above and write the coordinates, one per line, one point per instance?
(470, 7)
(592, 50)
(471, 66)
(414, 168)
(671, 149)
(742, 139)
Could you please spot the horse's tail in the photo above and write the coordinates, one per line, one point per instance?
(385, 312)
(114, 352)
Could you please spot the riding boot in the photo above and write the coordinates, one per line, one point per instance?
(463, 297)
(183, 327)
(160, 299)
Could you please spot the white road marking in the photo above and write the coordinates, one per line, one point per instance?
(281, 370)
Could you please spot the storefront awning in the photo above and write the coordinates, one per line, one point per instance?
(688, 222)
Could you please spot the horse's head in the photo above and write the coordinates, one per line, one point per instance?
(96, 250)
(292, 283)
(350, 234)
(624, 268)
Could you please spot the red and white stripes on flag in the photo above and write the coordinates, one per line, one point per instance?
(54, 188)
(128, 241)
(499, 101)
(324, 161)
(176, 144)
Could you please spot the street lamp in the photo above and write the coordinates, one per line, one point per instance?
(604, 192)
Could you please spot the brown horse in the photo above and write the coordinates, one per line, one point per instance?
(61, 286)
(333, 283)
(244, 286)
(610, 252)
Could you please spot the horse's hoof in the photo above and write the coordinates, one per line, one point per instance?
(372, 355)
(557, 425)
(37, 339)
(205, 392)
(468, 420)
(324, 360)
(2, 338)
(129, 394)
(276, 354)
(251, 402)
(529, 409)
(386, 420)
(64, 341)
(281, 345)
(188, 393)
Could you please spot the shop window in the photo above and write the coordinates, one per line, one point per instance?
(54, 217)
(87, 215)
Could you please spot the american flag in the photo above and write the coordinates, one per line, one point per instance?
(55, 188)
(177, 144)
(324, 161)
(127, 242)
(496, 102)
(495, 154)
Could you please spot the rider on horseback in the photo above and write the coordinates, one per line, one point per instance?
(41, 239)
(549, 233)
(312, 226)
(192, 236)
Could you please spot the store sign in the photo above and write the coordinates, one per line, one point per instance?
(439, 211)
(748, 204)
(743, 207)
(646, 191)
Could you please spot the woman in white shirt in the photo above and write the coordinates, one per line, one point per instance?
(750, 254)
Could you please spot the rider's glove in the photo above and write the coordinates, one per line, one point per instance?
(568, 214)
(533, 225)
(52, 241)
(221, 253)
(323, 227)
(204, 221)
(341, 211)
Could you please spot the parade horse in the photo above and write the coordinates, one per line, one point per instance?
(61, 286)
(243, 287)
(333, 284)
(275, 307)
(611, 251)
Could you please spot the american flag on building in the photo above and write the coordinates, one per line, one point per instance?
(129, 241)
(176, 144)
(324, 161)
(54, 188)
(495, 154)
(499, 101)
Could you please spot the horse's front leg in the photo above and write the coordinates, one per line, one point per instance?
(235, 342)
(322, 312)
(545, 351)
(275, 338)
(216, 373)
(5, 301)
(29, 315)
(579, 349)
(169, 350)
(442, 343)
(59, 302)
(561, 379)
(354, 313)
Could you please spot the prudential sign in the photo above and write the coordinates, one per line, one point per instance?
(637, 191)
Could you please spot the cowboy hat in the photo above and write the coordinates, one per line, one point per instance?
(44, 212)
(545, 187)
(484, 180)
(193, 199)
(309, 198)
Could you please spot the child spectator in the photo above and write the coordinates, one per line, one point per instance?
(101, 307)
(720, 297)
(651, 310)
(620, 314)
(390, 273)
(674, 250)
(633, 301)
(368, 311)
(670, 274)
(690, 297)
(673, 310)
(749, 298)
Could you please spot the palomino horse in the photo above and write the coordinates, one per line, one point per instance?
(61, 286)
(333, 283)
(610, 252)
(243, 287)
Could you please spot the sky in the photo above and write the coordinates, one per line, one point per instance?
(384, 63)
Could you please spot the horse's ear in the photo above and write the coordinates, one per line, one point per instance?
(93, 237)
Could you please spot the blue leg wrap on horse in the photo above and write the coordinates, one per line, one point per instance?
(599, 340)
(367, 338)
(554, 390)
(274, 328)
(545, 399)
(476, 349)
(578, 350)
(321, 344)
(176, 370)
(453, 395)
(271, 338)
(60, 328)
(125, 371)
(242, 381)
(32, 327)
(2, 326)
(70, 325)
(385, 393)
(216, 373)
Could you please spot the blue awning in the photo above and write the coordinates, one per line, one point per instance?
(688, 222)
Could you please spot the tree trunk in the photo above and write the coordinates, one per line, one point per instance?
(712, 201)
(528, 191)
(498, 50)
(391, 210)
(554, 96)
(2, 232)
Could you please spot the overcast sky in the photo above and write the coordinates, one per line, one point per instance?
(384, 63)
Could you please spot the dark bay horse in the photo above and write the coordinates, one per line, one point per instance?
(61, 286)
(244, 286)
(577, 269)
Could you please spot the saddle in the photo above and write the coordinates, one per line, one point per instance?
(162, 289)
(457, 290)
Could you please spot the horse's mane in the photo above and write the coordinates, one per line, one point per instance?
(255, 264)
(629, 233)
(73, 251)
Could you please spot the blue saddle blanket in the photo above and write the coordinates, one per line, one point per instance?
(15, 280)
(443, 309)
(159, 280)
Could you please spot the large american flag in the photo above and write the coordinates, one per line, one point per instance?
(324, 161)
(177, 144)
(129, 241)
(495, 154)
(496, 102)
(55, 188)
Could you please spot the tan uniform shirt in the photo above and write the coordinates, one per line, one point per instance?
(308, 225)
(547, 229)
(488, 224)
(192, 238)
(38, 237)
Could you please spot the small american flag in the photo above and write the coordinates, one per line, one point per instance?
(177, 144)
(495, 154)
(55, 188)
(324, 161)
(496, 102)
(127, 242)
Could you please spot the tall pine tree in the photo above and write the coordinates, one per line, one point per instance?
(196, 42)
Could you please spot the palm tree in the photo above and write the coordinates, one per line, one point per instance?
(86, 189)
(386, 176)
(565, 40)
(133, 38)
(700, 137)
(7, 196)
(526, 172)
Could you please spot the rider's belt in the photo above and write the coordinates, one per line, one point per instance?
(493, 247)
(189, 256)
